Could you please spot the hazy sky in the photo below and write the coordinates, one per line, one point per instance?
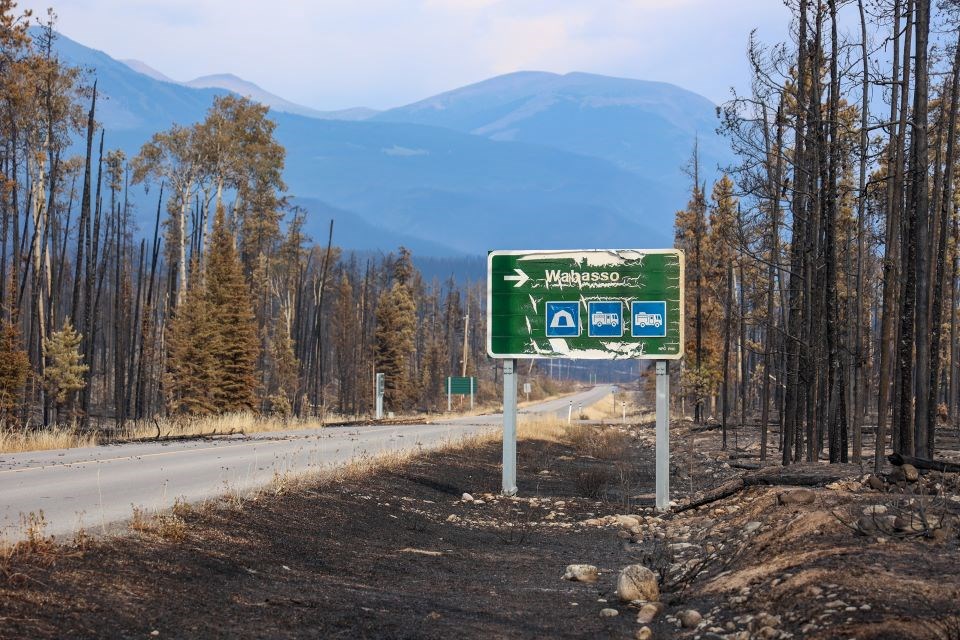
(332, 54)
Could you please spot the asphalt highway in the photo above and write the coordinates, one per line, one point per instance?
(96, 487)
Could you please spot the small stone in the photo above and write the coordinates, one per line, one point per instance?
(875, 509)
(767, 633)
(644, 633)
(796, 497)
(689, 618)
(636, 582)
(581, 573)
(154, 633)
(750, 527)
(453, 518)
(627, 522)
(467, 497)
(609, 613)
(836, 604)
(764, 619)
(910, 473)
(875, 483)
(649, 612)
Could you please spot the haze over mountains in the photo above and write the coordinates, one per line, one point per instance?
(524, 160)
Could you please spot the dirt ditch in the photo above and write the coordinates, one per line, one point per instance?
(399, 553)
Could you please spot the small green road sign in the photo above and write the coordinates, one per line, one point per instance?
(461, 386)
(593, 304)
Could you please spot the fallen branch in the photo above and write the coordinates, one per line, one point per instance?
(805, 475)
(169, 438)
(899, 460)
(706, 497)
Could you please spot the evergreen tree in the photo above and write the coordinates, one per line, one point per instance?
(64, 370)
(394, 344)
(236, 347)
(192, 373)
(14, 370)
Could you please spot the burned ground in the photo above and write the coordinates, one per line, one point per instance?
(397, 553)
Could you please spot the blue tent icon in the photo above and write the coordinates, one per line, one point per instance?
(563, 319)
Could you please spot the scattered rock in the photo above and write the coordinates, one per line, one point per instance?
(689, 618)
(609, 613)
(644, 633)
(750, 527)
(875, 483)
(910, 473)
(762, 620)
(467, 497)
(875, 509)
(581, 573)
(636, 582)
(845, 485)
(649, 612)
(915, 523)
(627, 522)
(453, 518)
(796, 497)
(766, 633)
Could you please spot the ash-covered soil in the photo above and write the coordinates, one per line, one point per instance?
(399, 553)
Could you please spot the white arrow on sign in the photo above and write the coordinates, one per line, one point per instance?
(520, 278)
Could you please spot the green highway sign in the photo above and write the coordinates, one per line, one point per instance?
(462, 386)
(592, 304)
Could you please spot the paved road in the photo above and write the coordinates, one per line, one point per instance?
(96, 486)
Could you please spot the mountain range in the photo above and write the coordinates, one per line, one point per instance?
(524, 160)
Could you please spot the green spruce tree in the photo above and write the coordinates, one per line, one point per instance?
(192, 372)
(236, 347)
(64, 371)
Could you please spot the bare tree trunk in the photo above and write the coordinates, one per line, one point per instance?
(859, 403)
(920, 217)
(939, 279)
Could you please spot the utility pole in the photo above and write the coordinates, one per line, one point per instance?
(466, 344)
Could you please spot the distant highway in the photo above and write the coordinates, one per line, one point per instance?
(94, 487)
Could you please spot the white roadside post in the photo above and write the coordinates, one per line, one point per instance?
(509, 427)
(663, 435)
(623, 407)
(570, 412)
(380, 385)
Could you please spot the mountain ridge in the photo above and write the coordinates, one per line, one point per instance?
(530, 159)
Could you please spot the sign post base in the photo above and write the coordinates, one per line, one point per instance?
(663, 435)
(509, 427)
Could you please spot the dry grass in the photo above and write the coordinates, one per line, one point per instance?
(13, 441)
(603, 443)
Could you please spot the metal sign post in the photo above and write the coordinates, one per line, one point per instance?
(663, 435)
(509, 427)
(380, 388)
